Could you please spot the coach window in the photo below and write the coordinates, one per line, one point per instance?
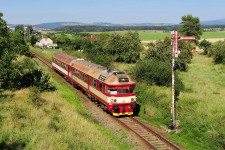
(94, 83)
(100, 86)
(85, 78)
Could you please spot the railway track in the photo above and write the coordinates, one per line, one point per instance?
(148, 136)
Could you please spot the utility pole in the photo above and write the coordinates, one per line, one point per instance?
(175, 53)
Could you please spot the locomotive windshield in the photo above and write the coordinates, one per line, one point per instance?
(120, 89)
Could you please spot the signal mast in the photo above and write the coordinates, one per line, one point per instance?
(175, 54)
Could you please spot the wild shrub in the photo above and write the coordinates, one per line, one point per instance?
(205, 45)
(35, 97)
(155, 72)
(219, 52)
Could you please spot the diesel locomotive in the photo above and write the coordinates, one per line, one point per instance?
(113, 90)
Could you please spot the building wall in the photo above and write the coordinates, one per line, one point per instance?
(44, 42)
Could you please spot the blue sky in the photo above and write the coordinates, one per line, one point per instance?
(113, 11)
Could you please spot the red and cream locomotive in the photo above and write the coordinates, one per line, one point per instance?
(114, 90)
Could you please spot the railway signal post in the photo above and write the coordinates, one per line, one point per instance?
(175, 53)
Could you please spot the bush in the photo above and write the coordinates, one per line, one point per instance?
(219, 52)
(38, 79)
(153, 72)
(205, 45)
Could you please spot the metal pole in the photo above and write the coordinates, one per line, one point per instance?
(173, 88)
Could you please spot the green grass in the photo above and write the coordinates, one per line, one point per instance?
(200, 108)
(47, 53)
(145, 36)
(213, 35)
(60, 122)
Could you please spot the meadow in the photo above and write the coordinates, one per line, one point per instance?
(200, 107)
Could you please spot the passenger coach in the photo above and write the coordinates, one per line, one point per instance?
(114, 90)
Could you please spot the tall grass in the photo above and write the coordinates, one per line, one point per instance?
(200, 107)
(60, 122)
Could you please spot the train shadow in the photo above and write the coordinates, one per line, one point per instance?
(137, 110)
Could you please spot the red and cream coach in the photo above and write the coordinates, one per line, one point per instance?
(114, 90)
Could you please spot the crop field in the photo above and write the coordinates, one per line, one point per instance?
(207, 35)
(148, 36)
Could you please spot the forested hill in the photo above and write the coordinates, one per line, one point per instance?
(92, 28)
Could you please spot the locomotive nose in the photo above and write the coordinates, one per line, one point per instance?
(115, 107)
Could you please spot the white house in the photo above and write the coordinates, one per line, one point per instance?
(46, 43)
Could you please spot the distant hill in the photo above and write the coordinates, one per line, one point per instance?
(53, 25)
(214, 22)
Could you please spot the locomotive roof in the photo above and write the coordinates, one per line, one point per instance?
(99, 72)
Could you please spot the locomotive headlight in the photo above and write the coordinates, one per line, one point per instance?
(115, 100)
(111, 100)
(133, 99)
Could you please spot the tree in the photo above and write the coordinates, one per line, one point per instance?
(18, 43)
(29, 31)
(124, 48)
(190, 26)
(4, 36)
(17, 74)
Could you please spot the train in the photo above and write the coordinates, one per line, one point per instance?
(112, 90)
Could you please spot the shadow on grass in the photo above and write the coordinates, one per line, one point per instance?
(15, 145)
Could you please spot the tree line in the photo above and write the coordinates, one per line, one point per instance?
(18, 70)
(92, 28)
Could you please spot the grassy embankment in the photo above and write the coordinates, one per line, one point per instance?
(57, 120)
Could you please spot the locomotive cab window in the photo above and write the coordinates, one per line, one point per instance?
(112, 90)
(123, 90)
(132, 87)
